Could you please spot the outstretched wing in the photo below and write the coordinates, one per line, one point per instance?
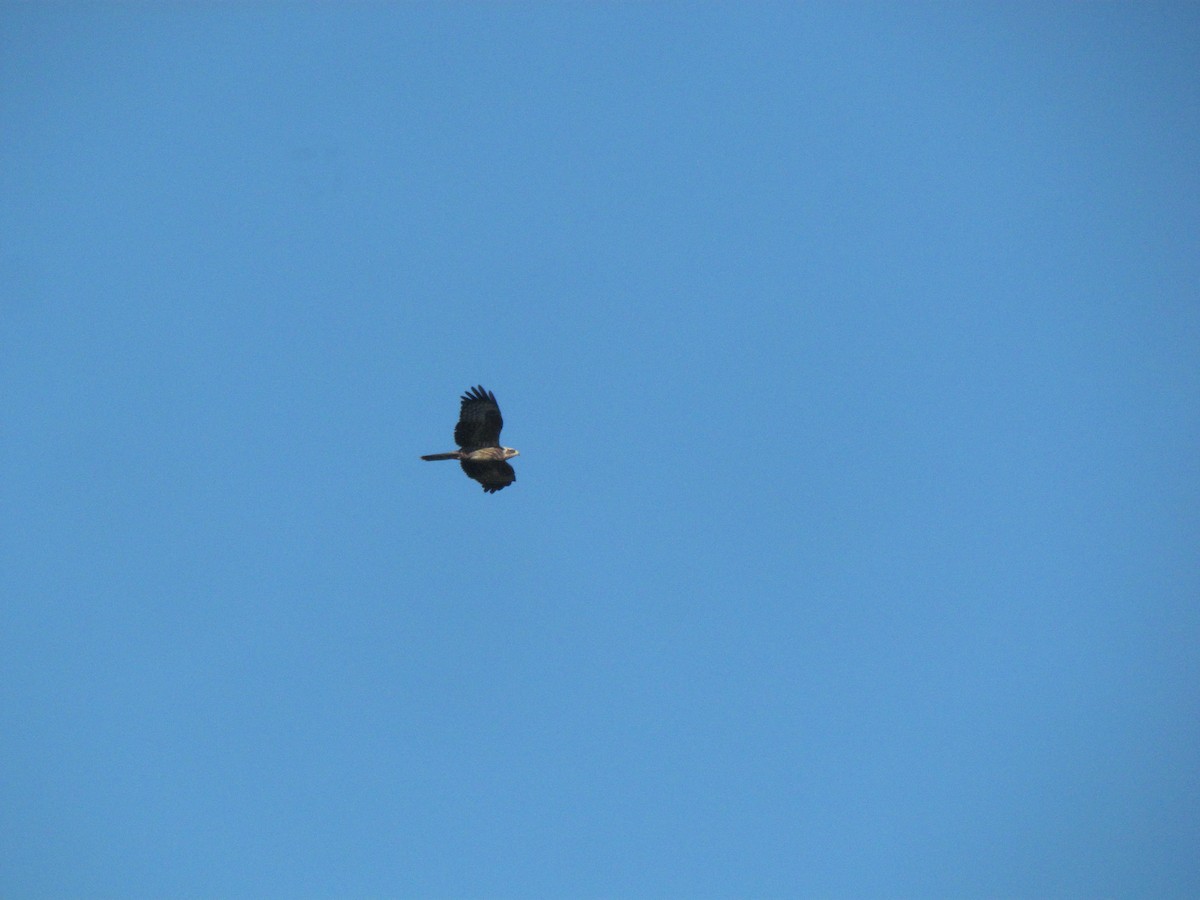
(479, 423)
(493, 474)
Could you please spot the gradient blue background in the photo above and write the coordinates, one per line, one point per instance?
(853, 352)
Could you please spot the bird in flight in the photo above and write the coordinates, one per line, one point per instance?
(478, 437)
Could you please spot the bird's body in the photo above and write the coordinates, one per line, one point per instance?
(478, 437)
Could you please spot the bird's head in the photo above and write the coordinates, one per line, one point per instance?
(509, 452)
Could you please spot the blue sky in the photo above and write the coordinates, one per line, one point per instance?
(851, 350)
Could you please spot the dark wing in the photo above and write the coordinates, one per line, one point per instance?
(479, 421)
(493, 474)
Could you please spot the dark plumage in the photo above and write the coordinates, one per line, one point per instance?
(478, 437)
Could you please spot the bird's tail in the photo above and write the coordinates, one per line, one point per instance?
(434, 456)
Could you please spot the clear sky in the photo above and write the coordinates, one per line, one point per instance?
(853, 354)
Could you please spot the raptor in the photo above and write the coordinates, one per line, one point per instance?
(478, 437)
